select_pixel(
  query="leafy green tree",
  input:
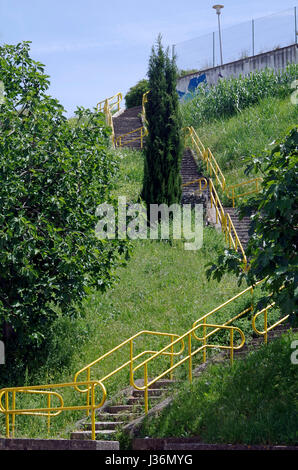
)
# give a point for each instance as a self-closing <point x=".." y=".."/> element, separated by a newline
<point x="53" y="175"/>
<point x="163" y="152"/>
<point x="272" y="248"/>
<point x="135" y="94"/>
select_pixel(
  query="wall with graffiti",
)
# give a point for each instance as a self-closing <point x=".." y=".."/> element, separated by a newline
<point x="188" y="85"/>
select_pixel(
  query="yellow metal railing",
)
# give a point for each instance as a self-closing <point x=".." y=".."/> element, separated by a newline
<point x="207" y="156"/>
<point x="148" y="383"/>
<point x="230" y="191"/>
<point x="226" y="223"/>
<point x="214" y="170"/>
<point x="132" y="357"/>
<point x="267" y="328"/>
<point x="49" y="410"/>
<point x="144" y="101"/>
<point x="112" y="103"/>
<point x="107" y="106"/>
<point x="199" y="181"/>
<point x="122" y="139"/>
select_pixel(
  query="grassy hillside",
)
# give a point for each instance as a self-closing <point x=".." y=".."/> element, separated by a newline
<point x="163" y="287"/>
<point x="254" y="402"/>
<point x="250" y="132"/>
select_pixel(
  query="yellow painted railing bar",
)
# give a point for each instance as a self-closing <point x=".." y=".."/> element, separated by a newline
<point x="49" y="410"/>
<point x="199" y="180"/>
<point x="266" y="328"/>
<point x="143" y="132"/>
<point x="144" y="101"/>
<point x="188" y="357"/>
<point x="118" y="97"/>
<point x="124" y="343"/>
<point x="232" y="188"/>
<point x="159" y="353"/>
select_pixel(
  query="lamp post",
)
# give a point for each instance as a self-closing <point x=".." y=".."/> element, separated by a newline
<point x="218" y="11"/>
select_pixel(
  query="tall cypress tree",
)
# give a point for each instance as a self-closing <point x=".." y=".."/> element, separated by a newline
<point x="163" y="153"/>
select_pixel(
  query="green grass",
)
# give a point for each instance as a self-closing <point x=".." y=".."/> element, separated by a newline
<point x="163" y="288"/>
<point x="233" y="140"/>
<point x="254" y="402"/>
<point x="130" y="177"/>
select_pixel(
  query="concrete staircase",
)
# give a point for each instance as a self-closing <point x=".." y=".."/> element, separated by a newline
<point x="241" y="226"/>
<point x="124" y="409"/>
<point x="128" y="121"/>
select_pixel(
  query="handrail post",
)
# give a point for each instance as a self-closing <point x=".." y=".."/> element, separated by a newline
<point x="190" y="359"/>
<point x="7" y="414"/>
<point x="266" y="326"/>
<point x="233" y="197"/>
<point x="231" y="346"/>
<point x="204" y="340"/>
<point x="230" y="233"/>
<point x="146" y="387"/>
<point x="131" y="362"/>
<point x="13" y="415"/>
<point x="93" y="412"/>
<point x="172" y="357"/>
<point x="88" y="391"/>
<point x="49" y="413"/>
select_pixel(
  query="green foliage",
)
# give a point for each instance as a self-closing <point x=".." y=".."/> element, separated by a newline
<point x="254" y="402"/>
<point x="231" y="96"/>
<point x="135" y="94"/>
<point x="272" y="248"/>
<point x="53" y="176"/>
<point x="163" y="153"/>
<point x="182" y="73"/>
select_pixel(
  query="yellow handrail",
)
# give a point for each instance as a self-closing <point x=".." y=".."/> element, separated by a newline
<point x="101" y="105"/>
<point x="144" y="101"/>
<point x="227" y="225"/>
<point x="107" y="107"/>
<point x="189" y="334"/>
<point x="214" y="169"/>
<point x="143" y="132"/>
<point x="9" y="408"/>
<point x="129" y="363"/>
<point x="230" y="190"/>
<point x="266" y="328"/>
<point x="200" y="181"/>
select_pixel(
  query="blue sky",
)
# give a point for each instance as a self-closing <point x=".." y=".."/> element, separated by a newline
<point x="92" y="48"/>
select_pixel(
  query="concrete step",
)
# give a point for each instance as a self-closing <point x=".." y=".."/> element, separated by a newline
<point x="151" y="392"/>
<point x="88" y="434"/>
<point x="122" y="408"/>
<point x="140" y="400"/>
<point x="104" y="425"/>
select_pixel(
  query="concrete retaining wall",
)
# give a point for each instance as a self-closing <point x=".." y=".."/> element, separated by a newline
<point x="277" y="60"/>
<point x="56" y="444"/>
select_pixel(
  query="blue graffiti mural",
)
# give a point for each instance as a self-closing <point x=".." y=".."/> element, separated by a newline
<point x="192" y="87"/>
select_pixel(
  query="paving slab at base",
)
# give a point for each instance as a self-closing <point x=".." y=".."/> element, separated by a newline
<point x="194" y="443"/>
<point x="56" y="444"/>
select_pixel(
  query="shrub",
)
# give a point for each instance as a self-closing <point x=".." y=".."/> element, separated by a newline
<point x="163" y="152"/>
<point x="53" y="176"/>
<point x="135" y="94"/>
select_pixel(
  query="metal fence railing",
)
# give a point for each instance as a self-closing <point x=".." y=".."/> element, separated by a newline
<point x="242" y="40"/>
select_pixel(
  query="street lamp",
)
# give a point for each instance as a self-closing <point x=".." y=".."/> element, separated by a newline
<point x="218" y="11"/>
